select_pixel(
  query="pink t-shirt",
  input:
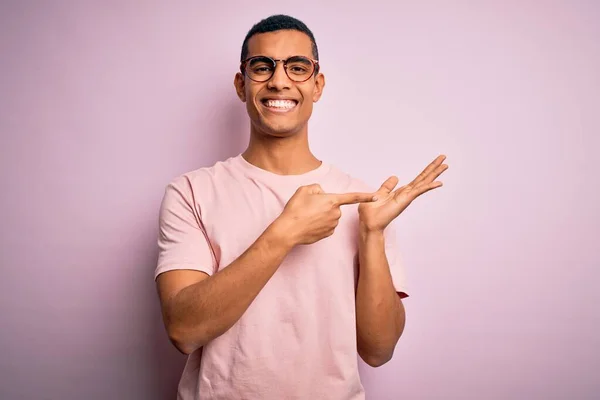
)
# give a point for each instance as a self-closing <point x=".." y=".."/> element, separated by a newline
<point x="297" y="340"/>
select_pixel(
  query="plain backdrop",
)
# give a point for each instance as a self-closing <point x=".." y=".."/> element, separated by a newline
<point x="103" y="103"/>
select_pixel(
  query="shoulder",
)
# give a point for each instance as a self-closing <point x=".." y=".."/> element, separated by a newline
<point x="201" y="180"/>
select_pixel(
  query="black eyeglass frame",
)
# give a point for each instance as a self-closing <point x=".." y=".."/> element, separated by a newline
<point x="245" y="62"/>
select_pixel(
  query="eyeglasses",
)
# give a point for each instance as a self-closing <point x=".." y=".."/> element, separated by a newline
<point x="262" y="68"/>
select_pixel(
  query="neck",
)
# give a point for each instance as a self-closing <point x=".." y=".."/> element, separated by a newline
<point x="283" y="156"/>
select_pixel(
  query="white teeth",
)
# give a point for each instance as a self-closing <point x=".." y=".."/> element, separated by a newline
<point x="287" y="104"/>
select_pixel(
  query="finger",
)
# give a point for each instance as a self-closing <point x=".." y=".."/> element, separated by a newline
<point x="433" y="175"/>
<point x="432" y="166"/>
<point x="352" y="198"/>
<point x="417" y="191"/>
<point x="315" y="188"/>
<point x="388" y="185"/>
<point x="431" y="186"/>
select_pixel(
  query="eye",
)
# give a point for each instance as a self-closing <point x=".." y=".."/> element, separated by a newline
<point x="262" y="69"/>
<point x="300" y="66"/>
<point x="260" y="66"/>
<point x="300" y="69"/>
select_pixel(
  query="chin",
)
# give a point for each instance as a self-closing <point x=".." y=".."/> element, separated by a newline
<point x="280" y="133"/>
<point x="278" y="130"/>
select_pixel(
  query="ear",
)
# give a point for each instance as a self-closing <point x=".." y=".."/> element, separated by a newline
<point x="240" y="86"/>
<point x="319" y="85"/>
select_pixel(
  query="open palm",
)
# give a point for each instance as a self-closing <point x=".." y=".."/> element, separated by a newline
<point x="390" y="203"/>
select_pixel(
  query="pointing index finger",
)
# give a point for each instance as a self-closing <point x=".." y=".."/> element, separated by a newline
<point x="353" y="198"/>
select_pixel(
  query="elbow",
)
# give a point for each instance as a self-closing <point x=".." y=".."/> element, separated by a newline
<point x="376" y="360"/>
<point x="182" y="341"/>
<point x="185" y="348"/>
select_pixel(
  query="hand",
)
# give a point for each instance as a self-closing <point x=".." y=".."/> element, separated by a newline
<point x="376" y="216"/>
<point x="311" y="215"/>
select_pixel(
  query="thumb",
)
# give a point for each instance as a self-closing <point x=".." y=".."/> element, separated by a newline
<point x="315" y="188"/>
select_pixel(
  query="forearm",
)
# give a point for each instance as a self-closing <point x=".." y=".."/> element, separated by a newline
<point x="207" y="309"/>
<point x="380" y="314"/>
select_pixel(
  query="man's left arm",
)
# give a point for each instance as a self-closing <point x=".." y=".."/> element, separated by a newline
<point x="380" y="315"/>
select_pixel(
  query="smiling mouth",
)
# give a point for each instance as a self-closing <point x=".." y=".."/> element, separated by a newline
<point x="279" y="105"/>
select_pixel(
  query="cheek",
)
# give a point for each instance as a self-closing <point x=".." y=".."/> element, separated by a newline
<point x="251" y="108"/>
<point x="308" y="97"/>
<point x="250" y="91"/>
<point x="307" y="107"/>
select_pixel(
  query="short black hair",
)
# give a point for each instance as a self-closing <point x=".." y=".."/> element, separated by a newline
<point x="277" y="23"/>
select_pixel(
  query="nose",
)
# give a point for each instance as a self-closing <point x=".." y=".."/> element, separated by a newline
<point x="279" y="80"/>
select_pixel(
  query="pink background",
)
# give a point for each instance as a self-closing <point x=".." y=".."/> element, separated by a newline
<point x="102" y="103"/>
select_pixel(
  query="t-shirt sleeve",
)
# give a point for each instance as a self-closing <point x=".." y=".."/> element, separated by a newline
<point x="395" y="261"/>
<point x="182" y="239"/>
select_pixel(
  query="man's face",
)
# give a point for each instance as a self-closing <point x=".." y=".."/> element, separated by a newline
<point x="280" y="106"/>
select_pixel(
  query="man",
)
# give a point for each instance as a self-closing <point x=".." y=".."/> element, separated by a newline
<point x="267" y="285"/>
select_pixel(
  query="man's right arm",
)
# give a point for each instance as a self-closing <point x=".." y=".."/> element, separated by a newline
<point x="198" y="308"/>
